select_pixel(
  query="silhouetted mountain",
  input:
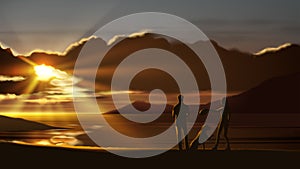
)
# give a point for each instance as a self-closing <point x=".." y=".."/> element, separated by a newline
<point x="277" y="95"/>
<point x="243" y="70"/>
<point x="17" y="124"/>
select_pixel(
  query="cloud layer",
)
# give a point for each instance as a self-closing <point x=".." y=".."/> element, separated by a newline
<point x="11" y="78"/>
<point x="49" y="52"/>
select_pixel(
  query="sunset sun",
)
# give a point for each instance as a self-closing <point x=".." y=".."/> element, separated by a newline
<point x="44" y="72"/>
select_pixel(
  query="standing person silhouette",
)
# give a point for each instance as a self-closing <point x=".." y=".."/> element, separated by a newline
<point x="223" y="125"/>
<point x="181" y="122"/>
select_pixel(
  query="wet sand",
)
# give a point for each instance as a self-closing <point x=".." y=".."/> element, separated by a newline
<point x="259" y="142"/>
<point x="246" y="132"/>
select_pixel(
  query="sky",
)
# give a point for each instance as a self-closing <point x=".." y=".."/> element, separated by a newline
<point x="53" y="25"/>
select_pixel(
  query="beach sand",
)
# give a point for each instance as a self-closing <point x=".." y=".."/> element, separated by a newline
<point x="41" y="156"/>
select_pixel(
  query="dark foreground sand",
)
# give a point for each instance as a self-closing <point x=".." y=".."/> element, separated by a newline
<point x="41" y="157"/>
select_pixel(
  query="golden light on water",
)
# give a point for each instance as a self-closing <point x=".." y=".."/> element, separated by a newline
<point x="44" y="72"/>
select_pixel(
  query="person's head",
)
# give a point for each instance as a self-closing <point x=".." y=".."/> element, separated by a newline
<point x="180" y="98"/>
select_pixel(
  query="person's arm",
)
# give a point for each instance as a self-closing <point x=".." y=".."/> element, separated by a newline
<point x="173" y="112"/>
<point x="203" y="111"/>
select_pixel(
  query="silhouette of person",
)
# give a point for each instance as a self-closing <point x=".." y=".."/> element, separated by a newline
<point x="181" y="122"/>
<point x="195" y="142"/>
<point x="223" y="125"/>
<point x="205" y="130"/>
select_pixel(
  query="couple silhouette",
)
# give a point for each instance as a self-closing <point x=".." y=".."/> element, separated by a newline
<point x="180" y="114"/>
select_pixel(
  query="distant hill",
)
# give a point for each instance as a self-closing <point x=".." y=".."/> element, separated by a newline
<point x="277" y="95"/>
<point x="8" y="124"/>
<point x="243" y="70"/>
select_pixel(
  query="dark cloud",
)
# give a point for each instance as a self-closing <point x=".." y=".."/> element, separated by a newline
<point x="54" y="17"/>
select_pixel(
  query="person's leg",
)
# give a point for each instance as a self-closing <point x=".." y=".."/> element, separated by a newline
<point x="179" y="131"/>
<point x="194" y="145"/>
<point x="186" y="141"/>
<point x="226" y="136"/>
<point x="220" y="127"/>
<point x="195" y="142"/>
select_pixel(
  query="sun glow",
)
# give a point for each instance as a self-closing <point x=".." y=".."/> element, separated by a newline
<point x="44" y="73"/>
